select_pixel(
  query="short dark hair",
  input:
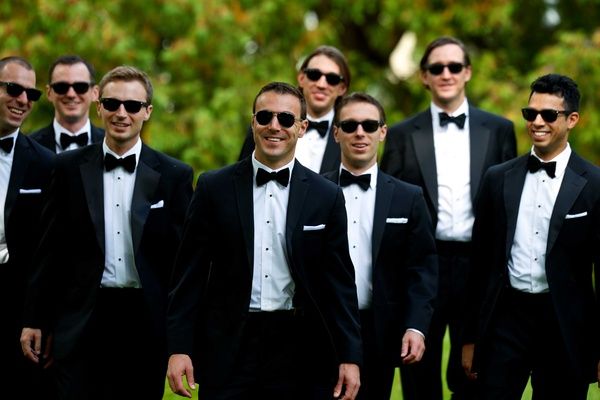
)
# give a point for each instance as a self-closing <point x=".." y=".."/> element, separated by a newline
<point x="71" y="59"/>
<point x="283" y="88"/>
<point x="561" y="86"/>
<point x="336" y="56"/>
<point x="128" y="74"/>
<point x="443" y="41"/>
<point x="16" y="60"/>
<point x="358" y="97"/>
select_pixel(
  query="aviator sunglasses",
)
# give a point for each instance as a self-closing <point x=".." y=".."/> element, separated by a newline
<point x="368" y="125"/>
<point x="285" y="119"/>
<point x="15" y="90"/>
<point x="315" y="74"/>
<point x="131" y="106"/>
<point x="63" y="87"/>
<point x="438" y="68"/>
<point x="548" y="115"/>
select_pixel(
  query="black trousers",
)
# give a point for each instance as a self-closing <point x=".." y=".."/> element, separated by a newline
<point x="524" y="341"/>
<point x="119" y="355"/>
<point x="423" y="380"/>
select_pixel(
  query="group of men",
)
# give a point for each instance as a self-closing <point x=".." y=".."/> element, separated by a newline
<point x="271" y="281"/>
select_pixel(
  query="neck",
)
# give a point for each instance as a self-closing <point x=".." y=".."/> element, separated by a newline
<point x="315" y="113"/>
<point x="357" y="168"/>
<point x="449" y="106"/>
<point x="121" y="148"/>
<point x="72" y="126"/>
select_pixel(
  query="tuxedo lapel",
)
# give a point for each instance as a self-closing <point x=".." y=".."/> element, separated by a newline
<point x="425" y="152"/>
<point x="331" y="156"/>
<point x="514" y="180"/>
<point x="243" y="184"/>
<point x="383" y="200"/>
<point x="479" y="137"/>
<point x="93" y="185"/>
<point x="146" y="182"/>
<point x="18" y="170"/>
<point x="298" y="190"/>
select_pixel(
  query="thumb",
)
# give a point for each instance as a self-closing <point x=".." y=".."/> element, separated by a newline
<point x="337" y="390"/>
<point x="189" y="373"/>
<point x="405" y="347"/>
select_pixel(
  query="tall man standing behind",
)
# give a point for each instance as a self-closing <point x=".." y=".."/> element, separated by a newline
<point x="446" y="150"/>
<point x="264" y="283"/>
<point x="324" y="77"/>
<point x="391" y="246"/>
<point x="71" y="90"/>
<point x="122" y="206"/>
<point x="533" y="308"/>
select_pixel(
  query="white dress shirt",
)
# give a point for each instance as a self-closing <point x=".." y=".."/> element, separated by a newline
<point x="527" y="262"/>
<point x="453" y="159"/>
<point x="311" y="147"/>
<point x="58" y="129"/>
<point x="119" y="260"/>
<point x="6" y="160"/>
<point x="272" y="285"/>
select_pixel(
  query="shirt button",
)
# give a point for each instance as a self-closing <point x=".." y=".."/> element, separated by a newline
<point x="267" y="249"/>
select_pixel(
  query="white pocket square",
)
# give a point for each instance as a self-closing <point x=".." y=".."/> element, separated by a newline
<point x="159" y="204"/>
<point x="30" y="191"/>
<point x="314" y="227"/>
<point x="571" y="216"/>
<point x="396" y="220"/>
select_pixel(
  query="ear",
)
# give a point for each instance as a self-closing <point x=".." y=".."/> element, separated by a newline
<point x="98" y="105"/>
<point x="148" y="112"/>
<point x="383" y="133"/>
<point x="303" y="128"/>
<point x="467" y="73"/>
<point x="572" y="120"/>
<point x="95" y="92"/>
<point x="336" y="132"/>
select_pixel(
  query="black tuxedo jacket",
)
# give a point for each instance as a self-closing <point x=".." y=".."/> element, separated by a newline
<point x="405" y="270"/>
<point x="46" y="136"/>
<point x="209" y="305"/>
<point x="409" y="152"/>
<point x="573" y="249"/>
<point x="331" y="157"/>
<point x="70" y="261"/>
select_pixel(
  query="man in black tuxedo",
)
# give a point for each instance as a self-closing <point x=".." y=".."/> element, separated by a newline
<point x="25" y="169"/>
<point x="103" y="294"/>
<point x="446" y="149"/>
<point x="391" y="245"/>
<point x="533" y="310"/>
<point x="71" y="89"/>
<point x="264" y="291"/>
<point x="324" y="77"/>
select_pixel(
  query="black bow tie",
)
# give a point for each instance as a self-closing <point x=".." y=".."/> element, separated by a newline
<point x="459" y="120"/>
<point x="534" y="165"/>
<point x="66" y="140"/>
<point x="111" y="162"/>
<point x="321" y="127"/>
<point x="282" y="177"/>
<point x="6" y="144"/>
<point x="347" y="179"/>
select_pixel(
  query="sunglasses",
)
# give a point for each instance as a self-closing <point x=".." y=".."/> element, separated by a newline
<point x="285" y="119"/>
<point x="438" y="68"/>
<point x="315" y="74"/>
<point x="530" y="114"/>
<point x="63" y="87"/>
<point x="15" y="90"/>
<point x="131" y="106"/>
<point x="368" y="125"/>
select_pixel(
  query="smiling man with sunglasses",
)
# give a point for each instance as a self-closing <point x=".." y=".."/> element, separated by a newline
<point x="71" y="90"/>
<point x="112" y="227"/>
<point x="533" y="311"/>
<point x="446" y="149"/>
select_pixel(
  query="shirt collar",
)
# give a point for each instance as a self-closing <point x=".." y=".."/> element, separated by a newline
<point x="373" y="170"/>
<point x="327" y="117"/>
<point x="435" y="110"/>
<point x="561" y="160"/>
<point x="135" y="149"/>
<point x="58" y="129"/>
<point x="257" y="164"/>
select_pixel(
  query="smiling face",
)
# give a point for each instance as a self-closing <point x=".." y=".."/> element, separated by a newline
<point x="14" y="110"/>
<point x="123" y="128"/>
<point x="550" y="138"/>
<point x="320" y="96"/>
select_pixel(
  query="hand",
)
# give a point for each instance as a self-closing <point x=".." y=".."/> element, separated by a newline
<point x="413" y="347"/>
<point x="349" y="377"/>
<point x="180" y="365"/>
<point x="467" y="361"/>
<point x="31" y="343"/>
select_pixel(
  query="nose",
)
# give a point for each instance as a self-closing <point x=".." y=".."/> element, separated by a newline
<point x="121" y="112"/>
<point x="446" y="72"/>
<point x="71" y="92"/>
<point x="274" y="124"/>
<point x="22" y="98"/>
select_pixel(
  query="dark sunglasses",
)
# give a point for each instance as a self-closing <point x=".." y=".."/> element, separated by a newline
<point x="438" y="68"/>
<point x="131" y="106"/>
<point x="63" y="87"/>
<point x="530" y="114"/>
<point x="368" y="125"/>
<point x="15" y="90"/>
<point x="286" y="119"/>
<point x="315" y="74"/>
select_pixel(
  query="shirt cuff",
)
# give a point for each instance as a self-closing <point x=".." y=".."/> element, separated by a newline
<point x="415" y="330"/>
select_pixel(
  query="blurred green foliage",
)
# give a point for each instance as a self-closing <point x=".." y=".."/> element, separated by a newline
<point x="208" y="58"/>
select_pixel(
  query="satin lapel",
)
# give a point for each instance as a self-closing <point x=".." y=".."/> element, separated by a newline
<point x="97" y="134"/>
<point x="514" y="179"/>
<point x="18" y="170"/>
<point x="242" y="181"/>
<point x="572" y="185"/>
<point x="331" y="155"/>
<point x="425" y="151"/>
<point x="479" y="138"/>
<point x="383" y="200"/>
<point x="146" y="182"/>
<point x="298" y="191"/>
<point x="93" y="185"/>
